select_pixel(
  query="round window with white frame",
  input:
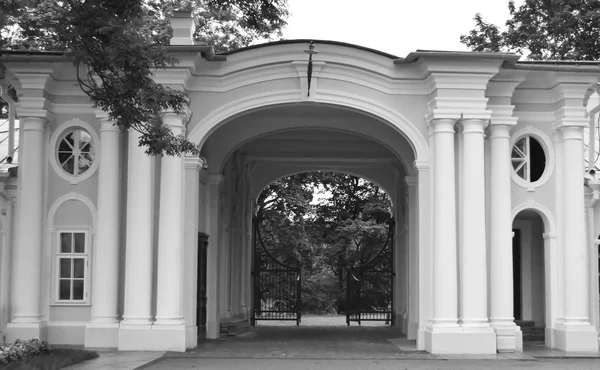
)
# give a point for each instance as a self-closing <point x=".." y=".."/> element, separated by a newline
<point x="531" y="159"/>
<point x="75" y="151"/>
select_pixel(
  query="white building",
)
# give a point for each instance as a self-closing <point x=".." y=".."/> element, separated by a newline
<point x="99" y="242"/>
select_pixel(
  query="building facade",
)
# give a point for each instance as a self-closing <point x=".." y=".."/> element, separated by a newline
<point x="481" y="154"/>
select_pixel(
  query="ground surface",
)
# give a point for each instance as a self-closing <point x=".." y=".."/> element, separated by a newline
<point x="322" y="343"/>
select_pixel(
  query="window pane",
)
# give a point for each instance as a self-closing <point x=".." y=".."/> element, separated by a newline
<point x="64" y="156"/>
<point x="78" y="289"/>
<point x="67" y="144"/>
<point x="537" y="159"/>
<point x="79" y="242"/>
<point x="69" y="166"/>
<point x="65" y="243"/>
<point x="521" y="172"/>
<point x="78" y="267"/>
<point x="65" y="268"/>
<point x="85" y="162"/>
<point x="64" y="289"/>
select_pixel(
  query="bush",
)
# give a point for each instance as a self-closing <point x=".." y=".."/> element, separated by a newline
<point x="21" y="349"/>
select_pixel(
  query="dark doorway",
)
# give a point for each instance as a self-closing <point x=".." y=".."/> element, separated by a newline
<point x="516" y="252"/>
<point x="201" y="284"/>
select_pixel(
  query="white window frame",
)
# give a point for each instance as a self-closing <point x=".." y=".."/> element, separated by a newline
<point x="545" y="142"/>
<point x="57" y="256"/>
<point x="55" y="140"/>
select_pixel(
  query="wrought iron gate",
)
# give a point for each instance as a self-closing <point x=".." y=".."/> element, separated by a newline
<point x="370" y="286"/>
<point x="277" y="286"/>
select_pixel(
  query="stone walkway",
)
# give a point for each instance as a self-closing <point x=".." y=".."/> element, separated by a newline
<point x="321" y="346"/>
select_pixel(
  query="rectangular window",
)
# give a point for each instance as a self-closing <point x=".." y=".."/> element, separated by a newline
<point x="72" y="267"/>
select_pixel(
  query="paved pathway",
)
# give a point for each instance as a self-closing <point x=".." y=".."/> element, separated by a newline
<point x="320" y="346"/>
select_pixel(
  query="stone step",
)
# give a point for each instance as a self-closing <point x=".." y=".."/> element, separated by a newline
<point x="525" y="323"/>
<point x="233" y="327"/>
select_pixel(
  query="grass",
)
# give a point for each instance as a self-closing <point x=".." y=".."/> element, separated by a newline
<point x="55" y="359"/>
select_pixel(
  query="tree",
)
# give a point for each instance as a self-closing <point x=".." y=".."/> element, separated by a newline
<point x="543" y="29"/>
<point x="116" y="45"/>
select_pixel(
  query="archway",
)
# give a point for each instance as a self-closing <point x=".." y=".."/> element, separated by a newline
<point x="529" y="275"/>
<point x="535" y="229"/>
<point x="324" y="246"/>
<point x="249" y="151"/>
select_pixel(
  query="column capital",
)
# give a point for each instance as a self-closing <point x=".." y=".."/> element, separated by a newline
<point x="195" y="163"/>
<point x="171" y="118"/>
<point x="32" y="123"/>
<point x="106" y="124"/>
<point x="571" y="133"/>
<point x="421" y="165"/>
<point x="499" y="131"/>
<point x="443" y="125"/>
<point x="33" y="106"/>
<point x="473" y="125"/>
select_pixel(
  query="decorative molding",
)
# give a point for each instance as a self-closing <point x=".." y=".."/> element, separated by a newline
<point x="64" y="198"/>
<point x="545" y="214"/>
<point x="209" y="123"/>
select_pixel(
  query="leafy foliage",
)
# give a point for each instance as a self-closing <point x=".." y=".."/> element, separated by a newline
<point x="543" y="29"/>
<point x="345" y="226"/>
<point x="116" y="45"/>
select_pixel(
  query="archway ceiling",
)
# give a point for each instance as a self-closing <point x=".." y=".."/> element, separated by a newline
<point x="311" y="133"/>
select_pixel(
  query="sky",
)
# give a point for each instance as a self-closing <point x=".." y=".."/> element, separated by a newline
<point x="393" y="26"/>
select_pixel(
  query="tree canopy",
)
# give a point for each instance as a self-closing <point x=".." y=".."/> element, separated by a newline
<point x="116" y="45"/>
<point x="542" y="30"/>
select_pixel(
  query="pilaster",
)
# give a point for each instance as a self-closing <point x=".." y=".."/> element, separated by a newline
<point x="134" y="331"/>
<point x="213" y="319"/>
<point x="102" y="330"/>
<point x="574" y="332"/>
<point x="27" y="321"/>
<point x="413" y="257"/>
<point x="169" y="326"/>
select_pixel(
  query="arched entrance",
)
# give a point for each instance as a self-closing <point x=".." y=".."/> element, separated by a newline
<point x="253" y="149"/>
<point x="528" y="275"/>
<point x="323" y="245"/>
<point x="535" y="273"/>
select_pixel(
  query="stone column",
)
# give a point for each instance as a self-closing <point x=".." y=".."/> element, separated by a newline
<point x="444" y="318"/>
<point x="137" y="318"/>
<point x="444" y="227"/>
<point x="102" y="330"/>
<point x="169" y="300"/>
<point x="575" y="333"/>
<point x="413" y="258"/>
<point x="213" y="306"/>
<point x="26" y="322"/>
<point x="473" y="261"/>
<point x="193" y="168"/>
<point x="508" y="336"/>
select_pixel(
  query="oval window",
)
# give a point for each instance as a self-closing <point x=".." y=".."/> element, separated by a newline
<point x="528" y="159"/>
<point x="75" y="152"/>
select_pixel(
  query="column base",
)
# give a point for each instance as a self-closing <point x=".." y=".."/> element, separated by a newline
<point x="412" y="331"/>
<point x="455" y="340"/>
<point x="576" y="338"/>
<point x="191" y="336"/>
<point x="509" y="338"/>
<point x="213" y="329"/>
<point x="26" y="330"/>
<point x="101" y="335"/>
<point x="152" y="338"/>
